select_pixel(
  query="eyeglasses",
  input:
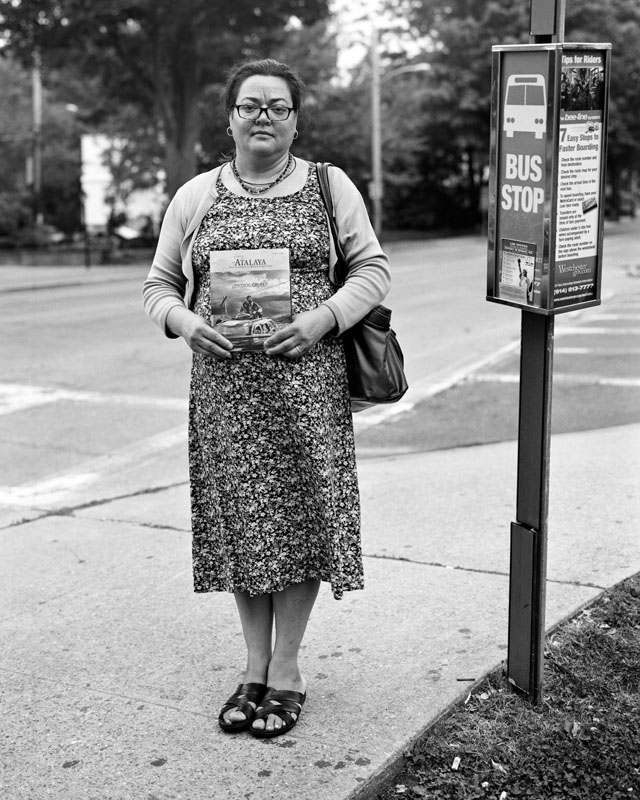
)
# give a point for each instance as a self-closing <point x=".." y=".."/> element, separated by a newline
<point x="252" y="111"/>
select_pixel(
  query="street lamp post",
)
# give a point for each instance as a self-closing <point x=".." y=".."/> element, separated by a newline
<point x="36" y="85"/>
<point x="376" y="186"/>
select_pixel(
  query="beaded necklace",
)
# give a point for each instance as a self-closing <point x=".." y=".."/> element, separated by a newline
<point x="261" y="188"/>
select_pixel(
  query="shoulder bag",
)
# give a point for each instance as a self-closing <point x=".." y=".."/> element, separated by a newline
<point x="375" y="363"/>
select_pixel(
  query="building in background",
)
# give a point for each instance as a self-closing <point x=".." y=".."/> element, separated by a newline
<point x="109" y="202"/>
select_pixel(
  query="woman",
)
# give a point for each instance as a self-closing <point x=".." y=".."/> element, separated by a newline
<point x="274" y="495"/>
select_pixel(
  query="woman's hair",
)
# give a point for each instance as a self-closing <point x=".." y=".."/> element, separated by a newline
<point x="266" y="66"/>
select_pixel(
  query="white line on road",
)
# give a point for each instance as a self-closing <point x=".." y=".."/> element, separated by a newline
<point x="57" y="489"/>
<point x="596" y="351"/>
<point x="613" y="317"/>
<point x="604" y="331"/>
<point x="425" y="388"/>
<point x="587" y="380"/>
<point x="19" y="397"/>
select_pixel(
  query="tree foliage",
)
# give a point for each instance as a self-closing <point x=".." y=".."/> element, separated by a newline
<point x="60" y="157"/>
<point x="454" y="98"/>
<point x="448" y="106"/>
<point x="15" y="138"/>
<point x="617" y="22"/>
<point x="159" y="56"/>
<point x="152" y="70"/>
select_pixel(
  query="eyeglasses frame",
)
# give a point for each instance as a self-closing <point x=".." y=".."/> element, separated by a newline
<point x="266" y="112"/>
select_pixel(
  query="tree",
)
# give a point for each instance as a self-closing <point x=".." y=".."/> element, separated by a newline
<point x="456" y="95"/>
<point x="617" y="22"/>
<point x="15" y="140"/>
<point x="60" y="158"/>
<point x="160" y="56"/>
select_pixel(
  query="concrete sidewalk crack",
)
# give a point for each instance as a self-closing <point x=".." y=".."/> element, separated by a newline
<point x="69" y="511"/>
<point x="458" y="568"/>
<point x="364" y="756"/>
<point x="105" y="692"/>
<point x="155" y="526"/>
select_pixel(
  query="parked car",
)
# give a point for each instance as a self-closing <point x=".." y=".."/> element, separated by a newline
<point x="40" y="236"/>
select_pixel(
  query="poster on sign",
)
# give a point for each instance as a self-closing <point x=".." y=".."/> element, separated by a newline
<point x="546" y="182"/>
<point x="580" y="165"/>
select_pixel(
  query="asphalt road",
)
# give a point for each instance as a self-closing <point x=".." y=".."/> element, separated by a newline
<point x="85" y="375"/>
<point x="596" y="384"/>
<point x="466" y="351"/>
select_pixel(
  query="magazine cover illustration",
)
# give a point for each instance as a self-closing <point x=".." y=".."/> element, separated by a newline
<point x="250" y="295"/>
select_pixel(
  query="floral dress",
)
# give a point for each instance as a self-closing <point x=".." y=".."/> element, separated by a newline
<point x="274" y="493"/>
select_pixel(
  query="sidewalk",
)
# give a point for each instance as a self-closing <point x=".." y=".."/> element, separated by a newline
<point x="114" y="671"/>
<point x="17" y="278"/>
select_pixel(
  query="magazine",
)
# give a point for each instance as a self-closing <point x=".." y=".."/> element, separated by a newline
<point x="250" y="295"/>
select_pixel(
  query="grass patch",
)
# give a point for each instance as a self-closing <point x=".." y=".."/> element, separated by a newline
<point x="581" y="741"/>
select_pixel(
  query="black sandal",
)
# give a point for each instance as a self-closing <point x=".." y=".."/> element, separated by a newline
<point x="283" y="704"/>
<point x="245" y="694"/>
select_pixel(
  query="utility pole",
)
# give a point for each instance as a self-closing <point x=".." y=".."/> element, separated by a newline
<point x="36" y="86"/>
<point x="375" y="186"/>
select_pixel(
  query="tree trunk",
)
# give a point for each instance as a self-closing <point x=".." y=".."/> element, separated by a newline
<point x="180" y="162"/>
<point x="473" y="184"/>
<point x="613" y="176"/>
<point x="181" y="123"/>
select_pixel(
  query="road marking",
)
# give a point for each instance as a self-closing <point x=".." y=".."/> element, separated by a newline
<point x="19" y="397"/>
<point x="613" y="317"/>
<point x="595" y="351"/>
<point x="595" y="380"/>
<point x="574" y="351"/>
<point x="426" y="388"/>
<point x="58" y="489"/>
<point x="587" y="380"/>
<point x="597" y="331"/>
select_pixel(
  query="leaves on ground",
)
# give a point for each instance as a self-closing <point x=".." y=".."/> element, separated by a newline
<point x="582" y="740"/>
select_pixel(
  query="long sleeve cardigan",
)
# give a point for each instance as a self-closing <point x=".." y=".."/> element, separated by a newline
<point x="170" y="281"/>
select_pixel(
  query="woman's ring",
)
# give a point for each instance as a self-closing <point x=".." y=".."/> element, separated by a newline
<point x="299" y="351"/>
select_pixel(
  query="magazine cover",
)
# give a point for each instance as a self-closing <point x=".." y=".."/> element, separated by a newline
<point x="250" y="295"/>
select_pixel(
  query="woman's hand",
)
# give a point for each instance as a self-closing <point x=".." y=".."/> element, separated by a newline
<point x="198" y="333"/>
<point x="295" y="339"/>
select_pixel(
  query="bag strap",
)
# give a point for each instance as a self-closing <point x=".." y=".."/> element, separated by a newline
<point x="341" y="268"/>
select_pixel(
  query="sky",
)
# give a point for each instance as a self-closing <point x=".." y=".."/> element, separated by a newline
<point x="355" y="21"/>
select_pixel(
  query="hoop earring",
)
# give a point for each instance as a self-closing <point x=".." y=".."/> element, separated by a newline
<point x="296" y="134"/>
<point x="229" y="131"/>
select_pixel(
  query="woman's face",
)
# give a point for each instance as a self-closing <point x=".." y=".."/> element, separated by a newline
<point x="263" y="137"/>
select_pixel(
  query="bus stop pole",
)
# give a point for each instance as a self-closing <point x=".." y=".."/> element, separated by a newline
<point x="528" y="563"/>
<point x="527" y="574"/>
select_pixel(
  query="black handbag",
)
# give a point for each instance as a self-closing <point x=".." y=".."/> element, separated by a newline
<point x="375" y="363"/>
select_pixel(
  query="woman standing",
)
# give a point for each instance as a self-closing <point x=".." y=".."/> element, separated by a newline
<point x="274" y="494"/>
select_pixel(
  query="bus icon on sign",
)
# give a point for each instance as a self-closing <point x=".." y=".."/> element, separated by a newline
<point x="525" y="105"/>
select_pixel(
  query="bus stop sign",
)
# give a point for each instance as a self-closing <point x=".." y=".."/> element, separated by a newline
<point x="546" y="185"/>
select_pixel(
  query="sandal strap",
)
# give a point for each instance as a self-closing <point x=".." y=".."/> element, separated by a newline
<point x="281" y="701"/>
<point x="252" y="691"/>
<point x="245" y="694"/>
